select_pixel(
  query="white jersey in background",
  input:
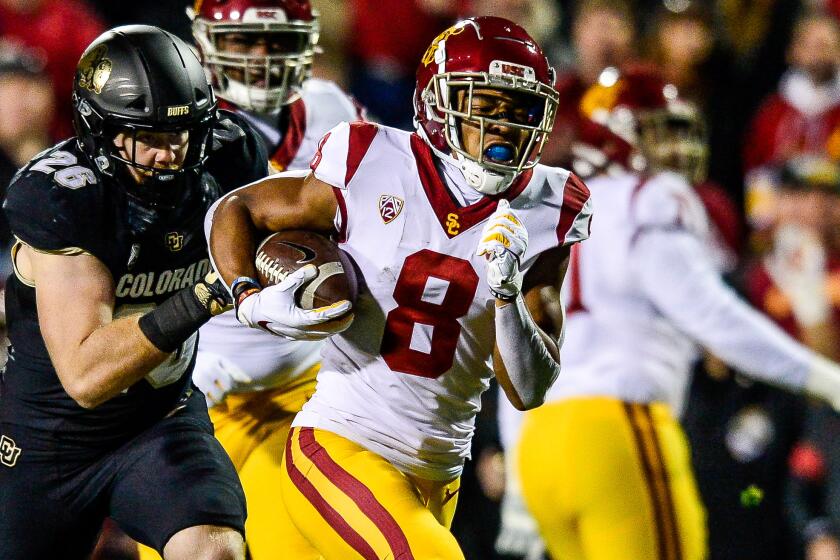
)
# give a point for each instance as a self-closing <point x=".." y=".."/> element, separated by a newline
<point x="268" y="360"/>
<point x="643" y="293"/>
<point x="405" y="380"/>
<point x="321" y="106"/>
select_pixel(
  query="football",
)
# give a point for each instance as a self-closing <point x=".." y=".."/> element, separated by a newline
<point x="284" y="252"/>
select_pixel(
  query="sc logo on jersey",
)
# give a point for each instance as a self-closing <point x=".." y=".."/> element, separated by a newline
<point x="453" y="226"/>
<point x="9" y="452"/>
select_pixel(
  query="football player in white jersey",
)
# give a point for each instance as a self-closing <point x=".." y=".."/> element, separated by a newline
<point x="259" y="54"/>
<point x="452" y="230"/>
<point x="641" y="296"/>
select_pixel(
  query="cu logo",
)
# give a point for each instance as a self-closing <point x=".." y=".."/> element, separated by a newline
<point x="9" y="452"/>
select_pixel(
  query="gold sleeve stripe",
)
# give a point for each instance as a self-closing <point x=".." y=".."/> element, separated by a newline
<point x="66" y="251"/>
<point x="23" y="279"/>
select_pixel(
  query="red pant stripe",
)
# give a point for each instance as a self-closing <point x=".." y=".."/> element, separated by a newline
<point x="358" y="492"/>
<point x="330" y="515"/>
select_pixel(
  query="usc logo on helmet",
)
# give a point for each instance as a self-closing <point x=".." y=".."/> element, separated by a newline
<point x="429" y="55"/>
<point x="600" y="97"/>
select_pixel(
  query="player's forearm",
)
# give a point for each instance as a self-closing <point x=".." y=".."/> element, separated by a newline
<point x="527" y="360"/>
<point x="232" y="238"/>
<point x="119" y="353"/>
<point x="111" y="359"/>
<point x="675" y="273"/>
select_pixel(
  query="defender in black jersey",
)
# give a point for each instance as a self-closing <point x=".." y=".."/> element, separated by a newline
<point x="98" y="416"/>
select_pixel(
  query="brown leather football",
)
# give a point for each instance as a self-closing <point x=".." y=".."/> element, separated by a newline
<point x="284" y="252"/>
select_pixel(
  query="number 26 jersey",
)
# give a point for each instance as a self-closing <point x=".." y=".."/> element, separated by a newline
<point x="405" y="380"/>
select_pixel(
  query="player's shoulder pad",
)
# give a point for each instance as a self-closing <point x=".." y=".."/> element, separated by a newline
<point x="238" y="155"/>
<point x="345" y="148"/>
<point x="56" y="200"/>
<point x="331" y="101"/>
<point x="576" y="202"/>
<point x="327" y="105"/>
<point x="667" y="200"/>
<point x="322" y="90"/>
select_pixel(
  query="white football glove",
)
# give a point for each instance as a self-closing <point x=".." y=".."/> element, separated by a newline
<point x="273" y="309"/>
<point x="216" y="376"/>
<point x="519" y="534"/>
<point x="823" y="381"/>
<point x="797" y="266"/>
<point x="503" y="243"/>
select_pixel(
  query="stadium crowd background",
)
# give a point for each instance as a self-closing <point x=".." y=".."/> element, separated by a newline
<point x="766" y="77"/>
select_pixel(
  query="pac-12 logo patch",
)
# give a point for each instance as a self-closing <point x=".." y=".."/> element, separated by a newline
<point x="390" y="207"/>
<point x="9" y="452"/>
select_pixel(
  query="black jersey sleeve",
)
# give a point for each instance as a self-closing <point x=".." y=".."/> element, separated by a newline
<point x="49" y="215"/>
<point x="239" y="156"/>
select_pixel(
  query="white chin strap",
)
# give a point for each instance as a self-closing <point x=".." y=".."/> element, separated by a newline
<point x="481" y="179"/>
<point x="477" y="177"/>
<point x="252" y="98"/>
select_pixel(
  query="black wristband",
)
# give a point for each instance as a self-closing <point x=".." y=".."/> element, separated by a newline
<point x="503" y="297"/>
<point x="171" y="323"/>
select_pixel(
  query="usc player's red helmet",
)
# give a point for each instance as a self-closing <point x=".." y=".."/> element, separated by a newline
<point x="484" y="53"/>
<point x="258" y="81"/>
<point x="640" y="108"/>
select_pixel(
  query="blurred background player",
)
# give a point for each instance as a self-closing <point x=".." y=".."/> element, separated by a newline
<point x="373" y="459"/>
<point x="111" y="282"/>
<point x="801" y="117"/>
<point x="640" y="297"/>
<point x="259" y="54"/>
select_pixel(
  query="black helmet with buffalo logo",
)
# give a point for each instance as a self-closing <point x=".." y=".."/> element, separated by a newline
<point x="138" y="79"/>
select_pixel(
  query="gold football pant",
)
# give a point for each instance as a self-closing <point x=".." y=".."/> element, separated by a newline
<point x="350" y="503"/>
<point x="253" y="427"/>
<point x="607" y="479"/>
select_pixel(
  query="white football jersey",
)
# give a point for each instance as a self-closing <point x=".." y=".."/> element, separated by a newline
<point x="405" y="379"/>
<point x="267" y="359"/>
<point x="321" y="106"/>
<point x="644" y="288"/>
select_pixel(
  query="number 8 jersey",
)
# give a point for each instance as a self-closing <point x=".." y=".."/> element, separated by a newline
<point x="405" y="380"/>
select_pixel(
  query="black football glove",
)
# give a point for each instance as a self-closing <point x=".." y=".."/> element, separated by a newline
<point x="212" y="294"/>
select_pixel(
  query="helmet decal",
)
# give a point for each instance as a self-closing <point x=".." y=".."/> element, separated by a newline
<point x="95" y="69"/>
<point x="429" y="55"/>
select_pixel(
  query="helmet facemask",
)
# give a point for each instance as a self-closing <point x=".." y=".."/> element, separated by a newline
<point x="449" y="98"/>
<point x="154" y="185"/>
<point x="258" y="82"/>
<point x="674" y="140"/>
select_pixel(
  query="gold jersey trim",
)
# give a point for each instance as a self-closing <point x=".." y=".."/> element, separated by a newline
<point x="66" y="251"/>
